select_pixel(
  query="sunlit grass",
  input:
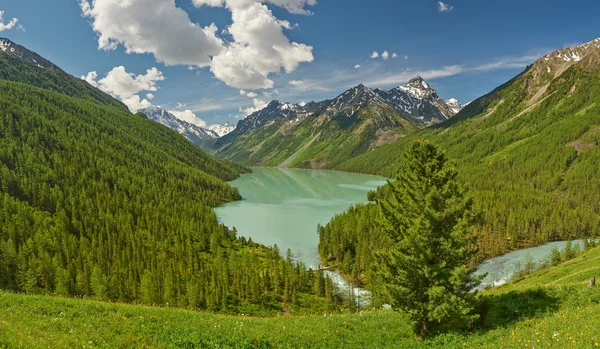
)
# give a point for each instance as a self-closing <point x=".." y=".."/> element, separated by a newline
<point x="553" y="308"/>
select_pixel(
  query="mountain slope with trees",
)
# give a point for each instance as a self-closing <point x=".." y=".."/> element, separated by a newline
<point x="98" y="202"/>
<point x="529" y="152"/>
<point x="551" y="308"/>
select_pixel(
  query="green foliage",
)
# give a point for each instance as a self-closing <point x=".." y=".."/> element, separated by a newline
<point x="530" y="163"/>
<point x="321" y="140"/>
<point x="428" y="217"/>
<point x="16" y="70"/>
<point x="97" y="202"/>
<point x="551" y="308"/>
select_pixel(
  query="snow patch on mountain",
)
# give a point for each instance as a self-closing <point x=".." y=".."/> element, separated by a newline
<point x="222" y="130"/>
<point x="194" y="133"/>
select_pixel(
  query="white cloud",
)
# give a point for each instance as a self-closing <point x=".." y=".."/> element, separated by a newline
<point x="11" y="24"/>
<point x="405" y="57"/>
<point x="309" y="85"/>
<point x="248" y="94"/>
<point x="292" y="6"/>
<point x="401" y="77"/>
<point x="258" y="104"/>
<point x="259" y="47"/>
<point x="91" y="78"/>
<point x="158" y="27"/>
<point x="358" y="66"/>
<point x="188" y="116"/>
<point x="181" y="105"/>
<point x="385" y="55"/>
<point x="126" y="86"/>
<point x="508" y="63"/>
<point x="150" y="96"/>
<point x="442" y="7"/>
<point x="135" y="103"/>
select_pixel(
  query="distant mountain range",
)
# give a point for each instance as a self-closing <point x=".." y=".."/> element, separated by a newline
<point x="321" y="134"/>
<point x="196" y="134"/>
<point x="222" y="130"/>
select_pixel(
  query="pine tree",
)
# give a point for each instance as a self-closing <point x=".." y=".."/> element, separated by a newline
<point x="428" y="215"/>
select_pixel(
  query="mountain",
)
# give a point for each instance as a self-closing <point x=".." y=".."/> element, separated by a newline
<point x="195" y="134"/>
<point x="419" y="100"/>
<point x="19" y="64"/>
<point x="100" y="203"/>
<point x="323" y="134"/>
<point x="529" y="150"/>
<point x="24" y="54"/>
<point x="222" y="130"/>
<point x="454" y="105"/>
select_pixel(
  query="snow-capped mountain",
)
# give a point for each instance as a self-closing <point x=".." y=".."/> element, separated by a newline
<point x="414" y="103"/>
<point x="454" y="105"/>
<point x="418" y="100"/>
<point x="267" y="116"/>
<point x="222" y="130"/>
<point x="196" y="134"/>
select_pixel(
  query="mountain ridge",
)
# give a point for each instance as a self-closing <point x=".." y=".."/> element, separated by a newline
<point x="196" y="134"/>
<point x="357" y="120"/>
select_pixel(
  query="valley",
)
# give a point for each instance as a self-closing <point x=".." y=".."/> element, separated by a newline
<point x="274" y="174"/>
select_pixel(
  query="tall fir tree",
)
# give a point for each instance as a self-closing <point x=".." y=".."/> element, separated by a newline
<point x="429" y="218"/>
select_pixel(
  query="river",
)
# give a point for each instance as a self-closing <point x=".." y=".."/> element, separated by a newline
<point x="284" y="207"/>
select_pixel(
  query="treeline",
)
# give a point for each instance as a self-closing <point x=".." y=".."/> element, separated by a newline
<point x="14" y="69"/>
<point x="96" y="202"/>
<point x="532" y="168"/>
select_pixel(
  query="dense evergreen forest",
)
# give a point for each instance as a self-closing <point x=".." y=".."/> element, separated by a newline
<point x="97" y="202"/>
<point x="528" y="153"/>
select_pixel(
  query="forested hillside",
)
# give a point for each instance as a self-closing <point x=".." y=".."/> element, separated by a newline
<point x="97" y="202"/>
<point x="552" y="308"/>
<point x="528" y="150"/>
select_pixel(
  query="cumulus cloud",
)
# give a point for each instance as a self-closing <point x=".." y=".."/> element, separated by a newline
<point x="181" y="105"/>
<point x="126" y="86"/>
<point x="385" y="55"/>
<point x="150" y="96"/>
<point x="442" y="7"/>
<point x="258" y="49"/>
<point x="188" y="116"/>
<point x="258" y="104"/>
<point x="357" y="66"/>
<point x="11" y="24"/>
<point x="158" y="27"/>
<point x="248" y="94"/>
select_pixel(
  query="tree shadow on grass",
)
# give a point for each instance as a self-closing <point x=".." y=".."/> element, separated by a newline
<point x="504" y="309"/>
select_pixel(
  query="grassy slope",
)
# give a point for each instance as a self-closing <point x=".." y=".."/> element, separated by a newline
<point x="552" y="308"/>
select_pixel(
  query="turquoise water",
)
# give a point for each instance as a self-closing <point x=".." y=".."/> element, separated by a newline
<point x="284" y="206"/>
<point x="501" y="269"/>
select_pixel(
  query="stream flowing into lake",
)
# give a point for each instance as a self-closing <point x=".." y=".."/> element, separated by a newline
<point x="284" y="207"/>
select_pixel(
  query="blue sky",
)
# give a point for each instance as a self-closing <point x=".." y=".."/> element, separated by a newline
<point x="464" y="48"/>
